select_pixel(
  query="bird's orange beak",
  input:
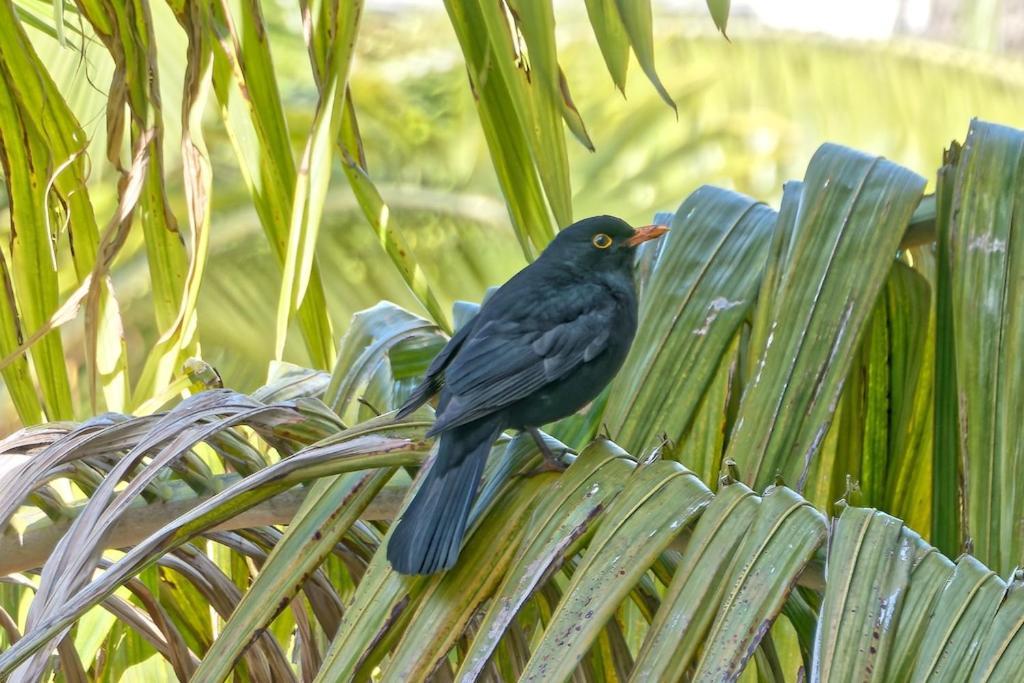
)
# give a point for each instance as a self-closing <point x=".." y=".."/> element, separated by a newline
<point x="647" y="232"/>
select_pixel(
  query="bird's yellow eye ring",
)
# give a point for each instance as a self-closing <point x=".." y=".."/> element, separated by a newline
<point x="602" y="241"/>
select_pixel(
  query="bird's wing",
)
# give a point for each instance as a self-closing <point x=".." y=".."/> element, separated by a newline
<point x="507" y="359"/>
<point x="434" y="378"/>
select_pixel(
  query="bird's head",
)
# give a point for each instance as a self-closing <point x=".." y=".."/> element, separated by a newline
<point x="601" y="242"/>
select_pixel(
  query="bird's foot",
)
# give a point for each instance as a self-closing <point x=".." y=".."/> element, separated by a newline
<point x="553" y="464"/>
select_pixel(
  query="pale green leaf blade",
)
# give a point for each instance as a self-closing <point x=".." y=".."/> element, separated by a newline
<point x="702" y="444"/>
<point x="377" y="612"/>
<point x="17" y="379"/>
<point x="692" y="599"/>
<point x="26" y="161"/>
<point x="379" y="602"/>
<point x="868" y="571"/>
<point x="866" y="409"/>
<point x="987" y="270"/>
<point x="111" y="351"/>
<point x="611" y="38"/>
<point x="852" y="212"/>
<point x="777" y="547"/>
<point x="657" y="501"/>
<point x="66" y="184"/>
<point x="564" y="516"/>
<point x="166" y="246"/>
<point x="247" y="88"/>
<point x="637" y="18"/>
<point x="390" y="237"/>
<point x="310" y="190"/>
<point x="523" y="133"/>
<point x="719" y="10"/>
<point x="1002" y="654"/>
<point x="927" y="581"/>
<point x="336" y="25"/>
<point x="536" y="21"/>
<point x="782" y="237"/>
<point x="538" y="113"/>
<point x="451" y="599"/>
<point x="370" y="336"/>
<point x="132" y="45"/>
<point x="962" y="619"/>
<point x="704" y="283"/>
<point x="946" y="533"/>
<point x="911" y="308"/>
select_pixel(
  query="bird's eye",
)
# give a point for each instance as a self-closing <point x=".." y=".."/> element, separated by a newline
<point x="602" y="241"/>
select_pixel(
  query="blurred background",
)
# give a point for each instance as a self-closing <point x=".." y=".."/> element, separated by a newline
<point x="900" y="78"/>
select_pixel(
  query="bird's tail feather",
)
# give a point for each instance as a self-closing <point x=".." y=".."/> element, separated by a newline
<point x="429" y="534"/>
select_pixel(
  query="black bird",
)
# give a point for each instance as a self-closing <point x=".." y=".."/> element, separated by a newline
<point x="544" y="345"/>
